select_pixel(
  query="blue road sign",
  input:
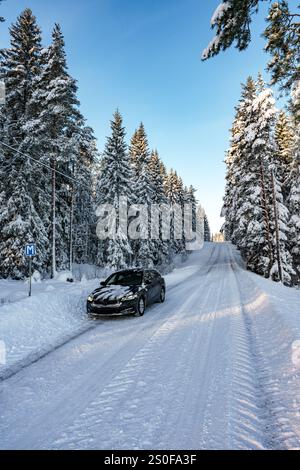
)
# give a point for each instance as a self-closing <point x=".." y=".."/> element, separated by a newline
<point x="30" y="250"/>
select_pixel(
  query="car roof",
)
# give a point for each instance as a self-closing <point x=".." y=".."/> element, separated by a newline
<point x="129" y="270"/>
<point x="137" y="270"/>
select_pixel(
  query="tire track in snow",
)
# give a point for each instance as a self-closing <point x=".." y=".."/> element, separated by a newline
<point x="279" y="432"/>
<point x="246" y="423"/>
<point x="189" y="420"/>
<point x="124" y="383"/>
<point x="68" y="407"/>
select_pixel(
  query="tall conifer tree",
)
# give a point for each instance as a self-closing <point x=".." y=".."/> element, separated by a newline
<point x="115" y="182"/>
<point x="19" y="219"/>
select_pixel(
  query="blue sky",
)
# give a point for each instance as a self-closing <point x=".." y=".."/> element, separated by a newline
<point x="143" y="57"/>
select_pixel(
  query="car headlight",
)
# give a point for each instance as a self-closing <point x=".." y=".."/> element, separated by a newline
<point x="130" y="297"/>
<point x="90" y="298"/>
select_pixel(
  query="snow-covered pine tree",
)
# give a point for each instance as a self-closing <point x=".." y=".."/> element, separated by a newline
<point x="247" y="205"/>
<point x="284" y="140"/>
<point x="84" y="239"/>
<point x="259" y="149"/>
<point x="1" y="17"/>
<point x="282" y="34"/>
<point x="233" y="163"/>
<point x="257" y="219"/>
<point x="135" y="151"/>
<point x="175" y="194"/>
<point x="101" y="245"/>
<point x="114" y="182"/>
<point x="170" y="186"/>
<point x="170" y="191"/>
<point x="232" y="23"/>
<point x="163" y="171"/>
<point x="19" y="219"/>
<point x="228" y="208"/>
<point x="282" y="269"/>
<point x="200" y="213"/>
<point x="191" y="200"/>
<point x="181" y="198"/>
<point x="266" y="151"/>
<point x="295" y="104"/>
<point x="161" y="247"/>
<point x="62" y="122"/>
<point x="294" y="195"/>
<point x="207" y="231"/>
<point x="143" y="249"/>
<point x="155" y="170"/>
<point x="280" y="217"/>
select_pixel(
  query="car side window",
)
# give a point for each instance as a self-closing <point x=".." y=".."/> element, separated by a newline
<point x="111" y="280"/>
<point x="148" y="277"/>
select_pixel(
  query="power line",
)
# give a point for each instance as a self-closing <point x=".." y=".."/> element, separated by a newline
<point x="46" y="166"/>
<point x="41" y="163"/>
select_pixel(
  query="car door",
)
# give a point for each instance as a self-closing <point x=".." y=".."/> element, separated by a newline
<point x="150" y="285"/>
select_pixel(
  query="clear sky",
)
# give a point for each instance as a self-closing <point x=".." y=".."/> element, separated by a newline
<point x="143" y="57"/>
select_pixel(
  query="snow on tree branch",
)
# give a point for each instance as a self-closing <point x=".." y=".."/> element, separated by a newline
<point x="219" y="12"/>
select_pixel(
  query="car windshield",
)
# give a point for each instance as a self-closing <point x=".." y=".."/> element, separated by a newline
<point x="126" y="278"/>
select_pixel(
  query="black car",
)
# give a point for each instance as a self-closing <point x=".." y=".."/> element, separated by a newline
<point x="127" y="292"/>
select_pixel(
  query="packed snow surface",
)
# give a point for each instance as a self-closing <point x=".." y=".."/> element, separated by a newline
<point x="215" y="367"/>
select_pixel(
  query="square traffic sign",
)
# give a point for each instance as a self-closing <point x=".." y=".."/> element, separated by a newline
<point x="30" y="250"/>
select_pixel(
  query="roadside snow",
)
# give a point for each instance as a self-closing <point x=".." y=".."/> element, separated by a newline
<point x="33" y="326"/>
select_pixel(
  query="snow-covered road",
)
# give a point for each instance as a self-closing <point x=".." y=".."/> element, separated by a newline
<point x="215" y="367"/>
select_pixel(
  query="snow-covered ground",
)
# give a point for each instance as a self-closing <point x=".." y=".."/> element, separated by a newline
<point x="216" y="367"/>
<point x="56" y="313"/>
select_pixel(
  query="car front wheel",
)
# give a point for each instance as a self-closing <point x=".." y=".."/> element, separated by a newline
<point x="162" y="296"/>
<point x="141" y="307"/>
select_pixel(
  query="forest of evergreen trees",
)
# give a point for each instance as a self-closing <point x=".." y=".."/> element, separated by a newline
<point x="52" y="177"/>
<point x="262" y="201"/>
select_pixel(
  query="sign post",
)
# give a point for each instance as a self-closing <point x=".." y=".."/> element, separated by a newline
<point x="30" y="252"/>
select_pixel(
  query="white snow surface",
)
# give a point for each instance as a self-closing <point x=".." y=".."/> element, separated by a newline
<point x="215" y="367"/>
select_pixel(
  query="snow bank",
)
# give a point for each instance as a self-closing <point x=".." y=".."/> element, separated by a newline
<point x="82" y="272"/>
<point x="32" y="327"/>
<point x="63" y="276"/>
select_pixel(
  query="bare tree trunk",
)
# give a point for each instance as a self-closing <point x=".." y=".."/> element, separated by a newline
<point x="87" y="235"/>
<point x="53" y="262"/>
<point x="71" y="231"/>
<point x="266" y="215"/>
<point x="276" y="228"/>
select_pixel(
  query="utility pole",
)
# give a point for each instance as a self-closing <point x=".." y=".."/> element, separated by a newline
<point x="278" y="254"/>
<point x="71" y="221"/>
